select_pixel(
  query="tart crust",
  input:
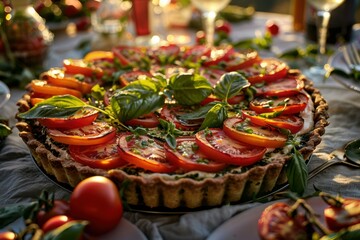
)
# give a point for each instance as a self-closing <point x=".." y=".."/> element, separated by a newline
<point x="160" y="190"/>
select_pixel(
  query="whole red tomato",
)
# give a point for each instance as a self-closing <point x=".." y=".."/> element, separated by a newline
<point x="55" y="222"/>
<point x="276" y="223"/>
<point x="222" y="26"/>
<point x="60" y="207"/>
<point x="272" y="28"/>
<point x="345" y="215"/>
<point x="8" y="236"/>
<point x="97" y="200"/>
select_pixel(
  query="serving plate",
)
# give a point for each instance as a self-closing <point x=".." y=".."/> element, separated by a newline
<point x="337" y="61"/>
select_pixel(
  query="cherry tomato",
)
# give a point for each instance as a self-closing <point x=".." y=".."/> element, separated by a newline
<point x="60" y="207"/>
<point x="219" y="54"/>
<point x="55" y="222"/>
<point x="149" y="120"/>
<point x="170" y="113"/>
<point x="285" y="105"/>
<point x="243" y="131"/>
<point x="79" y="66"/>
<point x="104" y="156"/>
<point x="240" y="60"/>
<point x="42" y="87"/>
<point x="144" y="152"/>
<point x="96" y="133"/>
<point x="80" y="119"/>
<point x="272" y="28"/>
<point x="219" y="147"/>
<point x="290" y="122"/>
<point x="222" y="26"/>
<point x="97" y="200"/>
<point x="197" y="52"/>
<point x="188" y="157"/>
<point x="276" y="223"/>
<point x="266" y="70"/>
<point x="131" y="76"/>
<point x="284" y="87"/>
<point x="345" y="215"/>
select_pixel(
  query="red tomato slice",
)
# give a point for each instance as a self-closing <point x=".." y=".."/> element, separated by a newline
<point x="243" y="131"/>
<point x="241" y="60"/>
<point x="234" y="100"/>
<point x="99" y="55"/>
<point x="169" y="52"/>
<point x="170" y="113"/>
<point x="286" y="105"/>
<point x="128" y="55"/>
<point x="266" y="70"/>
<point x="79" y="66"/>
<point x="103" y="156"/>
<point x="188" y="156"/>
<point x="338" y="217"/>
<point x="42" y="87"/>
<point x="284" y="87"/>
<point x="219" y="147"/>
<point x="80" y="119"/>
<point x="195" y="53"/>
<point x="131" y="76"/>
<point x="291" y="122"/>
<point x="219" y="54"/>
<point x="144" y="152"/>
<point x="96" y="133"/>
<point x="149" y="120"/>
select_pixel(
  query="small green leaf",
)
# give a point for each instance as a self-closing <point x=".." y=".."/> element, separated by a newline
<point x="230" y="85"/>
<point x="197" y="114"/>
<point x="297" y="173"/>
<point x="215" y="117"/>
<point x="4" y="130"/>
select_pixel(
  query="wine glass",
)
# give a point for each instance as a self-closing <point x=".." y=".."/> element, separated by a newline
<point x="209" y="9"/>
<point x="323" y="13"/>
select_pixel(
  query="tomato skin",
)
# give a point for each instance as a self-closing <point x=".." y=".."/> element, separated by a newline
<point x="149" y="120"/>
<point x="149" y="157"/>
<point x="290" y="122"/>
<point x="96" y="133"/>
<point x="272" y="28"/>
<point x="55" y="222"/>
<point x="60" y="207"/>
<point x="70" y="123"/>
<point x="276" y="223"/>
<point x="219" y="147"/>
<point x="103" y="156"/>
<point x="97" y="200"/>
<point x="338" y="217"/>
<point x="79" y="66"/>
<point x="186" y="157"/>
<point x="259" y="137"/>
<point x="284" y="87"/>
<point x="42" y="87"/>
<point x="241" y="60"/>
<point x="219" y="54"/>
<point x="8" y="236"/>
<point x="99" y="55"/>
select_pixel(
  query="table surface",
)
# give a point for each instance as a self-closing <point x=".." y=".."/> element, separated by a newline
<point x="21" y="180"/>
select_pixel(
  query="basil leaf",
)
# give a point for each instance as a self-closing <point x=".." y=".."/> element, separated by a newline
<point x="270" y="114"/>
<point x="189" y="89"/>
<point x="297" y="173"/>
<point x="4" y="130"/>
<point x="55" y="107"/>
<point x="215" y="117"/>
<point x="230" y="84"/>
<point x="9" y="214"/>
<point x="144" y="86"/>
<point x="199" y="113"/>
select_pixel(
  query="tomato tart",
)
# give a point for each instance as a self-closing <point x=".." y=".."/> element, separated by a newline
<point x="173" y="126"/>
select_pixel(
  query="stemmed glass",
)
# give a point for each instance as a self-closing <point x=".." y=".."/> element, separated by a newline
<point x="323" y="13"/>
<point x="209" y="9"/>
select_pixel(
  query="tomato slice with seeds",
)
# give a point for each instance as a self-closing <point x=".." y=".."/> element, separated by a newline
<point x="344" y="215"/>
<point x="241" y="60"/>
<point x="284" y="87"/>
<point x="219" y="147"/>
<point x="149" y="120"/>
<point x="242" y="130"/>
<point x="144" y="152"/>
<point x="79" y="66"/>
<point x="188" y="156"/>
<point x="291" y="122"/>
<point x="266" y="70"/>
<point x="286" y="105"/>
<point x="96" y="133"/>
<point x="80" y="119"/>
<point x="103" y="156"/>
<point x="42" y="87"/>
<point x="171" y="114"/>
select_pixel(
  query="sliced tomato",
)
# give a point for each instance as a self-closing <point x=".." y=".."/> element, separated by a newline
<point x="344" y="215"/>
<point x="149" y="120"/>
<point x="57" y="77"/>
<point x="103" y="156"/>
<point x="99" y="55"/>
<point x="82" y="118"/>
<point x="234" y="100"/>
<point x="96" y="133"/>
<point x="219" y="147"/>
<point x="35" y="101"/>
<point x="42" y="87"/>
<point x="168" y="70"/>
<point x="287" y="105"/>
<point x="196" y="53"/>
<point x="165" y="54"/>
<point x="240" y="60"/>
<point x="171" y="113"/>
<point x="291" y="122"/>
<point x="131" y="76"/>
<point x="127" y="56"/>
<point x="266" y="70"/>
<point x="243" y="131"/>
<point x="79" y="66"/>
<point x="144" y="152"/>
<point x="219" y="54"/>
<point x="284" y="87"/>
<point x="188" y="156"/>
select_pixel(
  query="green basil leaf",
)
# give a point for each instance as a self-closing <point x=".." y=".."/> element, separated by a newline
<point x="98" y="92"/>
<point x="171" y="140"/>
<point x="4" y="130"/>
<point x="199" y="113"/>
<point x="10" y="213"/>
<point x="270" y="114"/>
<point x="215" y="117"/>
<point x="297" y="173"/>
<point x="70" y="230"/>
<point x="230" y="84"/>
<point x="144" y="86"/>
<point x="189" y="89"/>
<point x="55" y="107"/>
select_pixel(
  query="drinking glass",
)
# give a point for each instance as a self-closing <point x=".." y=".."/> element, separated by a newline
<point x="323" y="13"/>
<point x="209" y="9"/>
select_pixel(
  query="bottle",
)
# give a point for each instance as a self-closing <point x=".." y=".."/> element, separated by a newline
<point x="341" y="22"/>
<point x="298" y="13"/>
<point x="26" y="33"/>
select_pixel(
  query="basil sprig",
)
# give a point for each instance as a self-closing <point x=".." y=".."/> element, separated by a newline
<point x="230" y="85"/>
